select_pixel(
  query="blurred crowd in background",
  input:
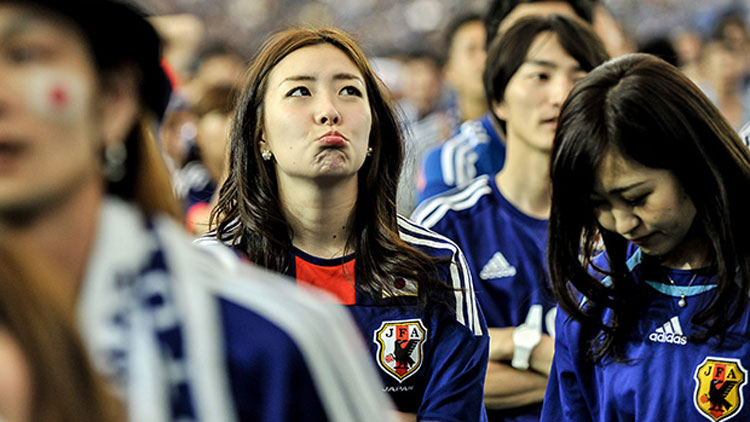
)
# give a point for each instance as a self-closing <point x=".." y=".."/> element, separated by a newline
<point x="431" y="65"/>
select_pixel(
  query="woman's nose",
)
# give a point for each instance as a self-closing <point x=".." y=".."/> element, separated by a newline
<point x="328" y="114"/>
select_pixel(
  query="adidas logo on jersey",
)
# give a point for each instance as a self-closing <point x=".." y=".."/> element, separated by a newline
<point x="669" y="332"/>
<point x="497" y="267"/>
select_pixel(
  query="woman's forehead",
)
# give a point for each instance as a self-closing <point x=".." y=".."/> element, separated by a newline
<point x="616" y="170"/>
<point x="313" y="61"/>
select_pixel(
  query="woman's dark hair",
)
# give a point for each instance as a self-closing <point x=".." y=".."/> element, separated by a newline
<point x="647" y="111"/>
<point x="248" y="213"/>
<point x="508" y="52"/>
<point x="37" y="311"/>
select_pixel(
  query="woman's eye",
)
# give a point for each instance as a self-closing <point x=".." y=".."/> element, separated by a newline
<point x="299" y="91"/>
<point x="636" y="201"/>
<point x="540" y="76"/>
<point x="350" y="90"/>
<point x="599" y="205"/>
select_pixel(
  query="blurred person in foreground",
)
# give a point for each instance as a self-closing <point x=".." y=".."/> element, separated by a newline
<point x="179" y="333"/>
<point x="315" y="156"/>
<point x="500" y="220"/>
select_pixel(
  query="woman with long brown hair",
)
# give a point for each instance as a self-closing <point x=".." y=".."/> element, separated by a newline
<point x="315" y="158"/>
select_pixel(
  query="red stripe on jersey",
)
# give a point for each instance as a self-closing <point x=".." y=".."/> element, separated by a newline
<point x="337" y="280"/>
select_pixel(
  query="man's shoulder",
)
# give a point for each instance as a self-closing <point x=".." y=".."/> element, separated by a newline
<point x="455" y="203"/>
<point x="474" y="150"/>
<point x="470" y="135"/>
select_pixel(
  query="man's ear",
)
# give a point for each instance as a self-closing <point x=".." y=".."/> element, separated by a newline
<point x="498" y="107"/>
<point x="120" y="103"/>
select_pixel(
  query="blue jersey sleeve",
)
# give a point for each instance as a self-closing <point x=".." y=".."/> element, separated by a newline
<point x="456" y="385"/>
<point x="564" y="399"/>
<point x="458" y="345"/>
<point x="430" y="181"/>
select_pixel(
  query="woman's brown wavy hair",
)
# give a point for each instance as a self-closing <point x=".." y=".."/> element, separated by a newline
<point x="248" y="214"/>
<point x="37" y="311"/>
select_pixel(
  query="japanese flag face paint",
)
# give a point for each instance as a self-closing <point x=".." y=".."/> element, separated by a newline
<point x="51" y="128"/>
<point x="55" y="95"/>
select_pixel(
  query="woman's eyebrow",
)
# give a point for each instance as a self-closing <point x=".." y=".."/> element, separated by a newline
<point x="338" y="76"/>
<point x="622" y="189"/>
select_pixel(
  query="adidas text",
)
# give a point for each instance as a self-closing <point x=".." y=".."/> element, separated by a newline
<point x="668" y="338"/>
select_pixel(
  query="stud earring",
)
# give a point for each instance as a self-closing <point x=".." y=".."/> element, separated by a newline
<point x="369" y="151"/>
<point x="266" y="154"/>
<point x="114" y="162"/>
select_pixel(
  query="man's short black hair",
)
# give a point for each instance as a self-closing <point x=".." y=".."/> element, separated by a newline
<point x="499" y="9"/>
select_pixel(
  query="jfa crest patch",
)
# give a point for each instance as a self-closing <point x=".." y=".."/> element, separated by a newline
<point x="718" y="388"/>
<point x="400" y="347"/>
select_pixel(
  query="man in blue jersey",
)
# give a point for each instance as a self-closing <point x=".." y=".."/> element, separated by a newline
<point x="178" y="332"/>
<point x="478" y="148"/>
<point x="500" y="220"/>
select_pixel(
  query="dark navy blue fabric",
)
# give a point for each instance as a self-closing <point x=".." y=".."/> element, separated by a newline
<point x="484" y="228"/>
<point x="449" y="384"/>
<point x="491" y="225"/>
<point x="661" y="380"/>
<point x="257" y="350"/>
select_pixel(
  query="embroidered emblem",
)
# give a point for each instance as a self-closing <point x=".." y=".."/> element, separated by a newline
<point x="718" y="388"/>
<point x="400" y="345"/>
<point x="497" y="267"/>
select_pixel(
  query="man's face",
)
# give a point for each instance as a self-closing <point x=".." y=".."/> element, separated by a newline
<point x="49" y="125"/>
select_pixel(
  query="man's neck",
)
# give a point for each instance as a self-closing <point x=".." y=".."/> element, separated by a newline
<point x="63" y="236"/>
<point x="472" y="108"/>
<point x="524" y="180"/>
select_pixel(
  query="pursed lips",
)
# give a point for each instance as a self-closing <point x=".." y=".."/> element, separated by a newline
<point x="333" y="139"/>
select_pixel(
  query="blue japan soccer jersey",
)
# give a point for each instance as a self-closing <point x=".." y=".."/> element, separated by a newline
<point x="432" y="360"/>
<point x="505" y="249"/>
<point x="506" y="252"/>
<point x="667" y="376"/>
